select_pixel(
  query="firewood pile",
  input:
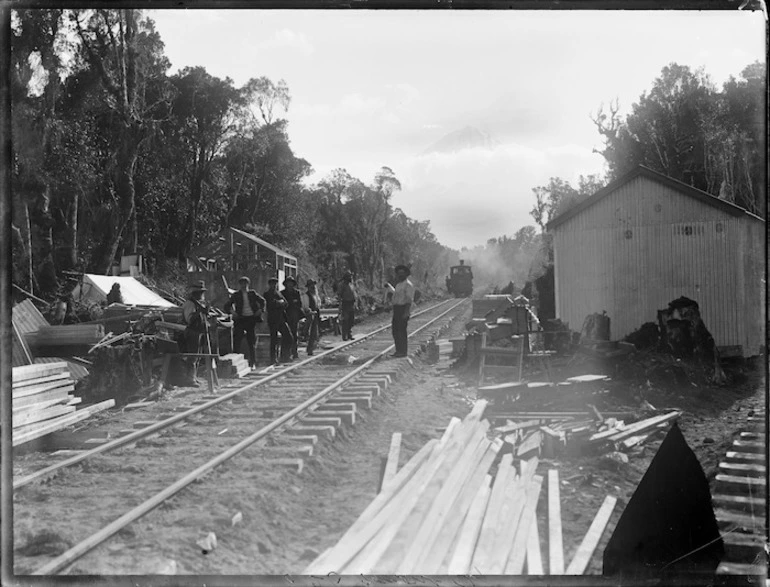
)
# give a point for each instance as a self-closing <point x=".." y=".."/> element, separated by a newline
<point x="456" y="508"/>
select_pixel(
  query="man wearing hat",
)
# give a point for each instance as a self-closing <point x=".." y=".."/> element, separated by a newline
<point x="403" y="297"/>
<point x="313" y="316"/>
<point x="276" y="321"/>
<point x="246" y="306"/>
<point x="194" y="315"/>
<point x="348" y="298"/>
<point x="294" y="311"/>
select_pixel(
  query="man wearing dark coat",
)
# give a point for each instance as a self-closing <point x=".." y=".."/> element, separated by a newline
<point x="194" y="315"/>
<point x="246" y="306"/>
<point x="294" y="311"/>
<point x="348" y="299"/>
<point x="402" y="299"/>
<point x="313" y="315"/>
<point x="276" y="306"/>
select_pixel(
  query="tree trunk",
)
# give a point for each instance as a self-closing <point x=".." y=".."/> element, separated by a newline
<point x="196" y="191"/>
<point x="124" y="186"/>
<point x="42" y="224"/>
<point x="22" y="222"/>
<point x="71" y="244"/>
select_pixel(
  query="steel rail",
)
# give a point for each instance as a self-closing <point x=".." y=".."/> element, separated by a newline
<point x="96" y="539"/>
<point x="142" y="433"/>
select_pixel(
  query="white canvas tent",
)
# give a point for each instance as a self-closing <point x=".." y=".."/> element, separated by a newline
<point x="96" y="287"/>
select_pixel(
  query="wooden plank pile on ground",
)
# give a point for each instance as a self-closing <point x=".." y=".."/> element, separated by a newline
<point x="579" y="432"/>
<point x="27" y="319"/>
<point x="232" y="366"/>
<point x="443" y="513"/>
<point x="83" y="334"/>
<point x="491" y="307"/>
<point x="42" y="401"/>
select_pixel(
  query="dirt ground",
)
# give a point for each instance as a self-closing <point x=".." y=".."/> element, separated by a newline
<point x="288" y="519"/>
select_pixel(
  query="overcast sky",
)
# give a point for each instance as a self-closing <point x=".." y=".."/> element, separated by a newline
<point x="374" y="88"/>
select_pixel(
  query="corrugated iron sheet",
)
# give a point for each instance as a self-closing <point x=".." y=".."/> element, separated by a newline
<point x="646" y="245"/>
<point x="27" y="318"/>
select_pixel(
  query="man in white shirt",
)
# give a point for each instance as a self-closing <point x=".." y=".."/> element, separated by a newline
<point x="403" y="297"/>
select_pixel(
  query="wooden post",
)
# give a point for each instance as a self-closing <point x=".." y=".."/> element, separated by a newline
<point x="164" y="373"/>
<point x="210" y="373"/>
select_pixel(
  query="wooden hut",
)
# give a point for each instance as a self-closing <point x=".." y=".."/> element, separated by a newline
<point x="233" y="253"/>
<point x="647" y="239"/>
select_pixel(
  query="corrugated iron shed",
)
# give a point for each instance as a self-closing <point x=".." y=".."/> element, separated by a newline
<point x="646" y="240"/>
<point x="27" y="319"/>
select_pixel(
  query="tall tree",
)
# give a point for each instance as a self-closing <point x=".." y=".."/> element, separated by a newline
<point x="35" y="83"/>
<point x="687" y="129"/>
<point x="127" y="53"/>
<point x="203" y="119"/>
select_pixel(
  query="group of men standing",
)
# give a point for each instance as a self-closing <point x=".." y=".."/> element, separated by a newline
<point x="401" y="296"/>
<point x="284" y="310"/>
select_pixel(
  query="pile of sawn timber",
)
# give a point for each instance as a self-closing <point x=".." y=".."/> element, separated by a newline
<point x="42" y="401"/>
<point x="232" y="366"/>
<point x="549" y="433"/>
<point x="443" y="514"/>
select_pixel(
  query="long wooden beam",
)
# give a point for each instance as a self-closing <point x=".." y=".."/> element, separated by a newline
<point x="555" y="545"/>
<point x="534" y="556"/>
<point x="520" y="549"/>
<point x="586" y="549"/>
<point x="391" y="467"/>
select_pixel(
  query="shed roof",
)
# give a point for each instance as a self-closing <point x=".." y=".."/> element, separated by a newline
<point x="218" y="246"/>
<point x="646" y="172"/>
<point x="264" y="243"/>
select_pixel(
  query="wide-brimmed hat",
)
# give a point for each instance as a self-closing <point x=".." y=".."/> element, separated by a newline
<point x="290" y="279"/>
<point x="243" y="279"/>
<point x="310" y="282"/>
<point x="403" y="268"/>
<point x="198" y="286"/>
<point x="273" y="280"/>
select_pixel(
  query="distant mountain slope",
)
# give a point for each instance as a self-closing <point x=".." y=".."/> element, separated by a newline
<point x="469" y="137"/>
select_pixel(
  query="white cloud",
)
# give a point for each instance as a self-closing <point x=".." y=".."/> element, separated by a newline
<point x="479" y="193"/>
<point x="288" y="39"/>
<point x="404" y="93"/>
<point x="359" y="104"/>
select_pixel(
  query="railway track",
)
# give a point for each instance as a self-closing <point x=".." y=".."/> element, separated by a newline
<point x="740" y="501"/>
<point x="285" y="413"/>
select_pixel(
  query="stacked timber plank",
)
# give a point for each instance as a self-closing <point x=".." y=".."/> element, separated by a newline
<point x="441" y="513"/>
<point x="27" y="319"/>
<point x="579" y="431"/>
<point x="415" y="523"/>
<point x="84" y="334"/>
<point x="42" y="401"/>
<point x="232" y="366"/>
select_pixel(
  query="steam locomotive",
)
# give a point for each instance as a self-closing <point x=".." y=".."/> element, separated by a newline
<point x="460" y="280"/>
